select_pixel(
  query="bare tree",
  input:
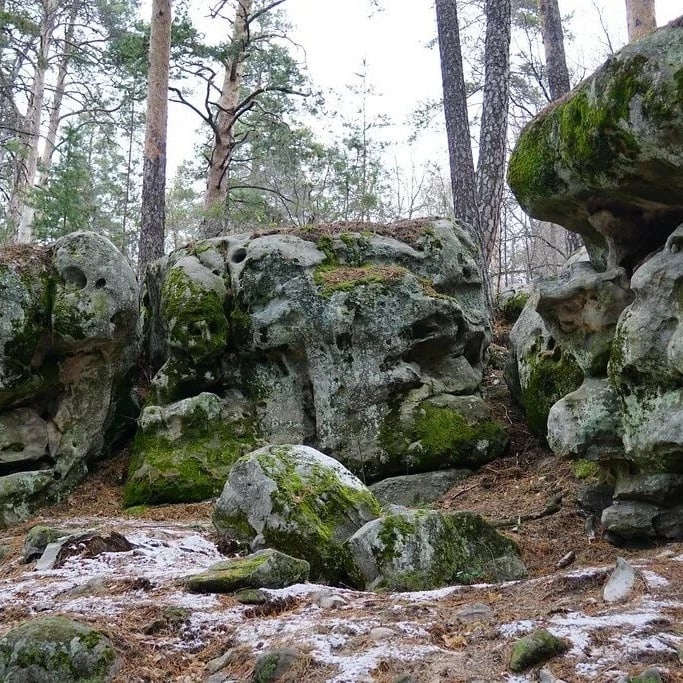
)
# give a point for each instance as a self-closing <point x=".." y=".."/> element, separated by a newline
<point x="154" y="171"/>
<point x="641" y="18"/>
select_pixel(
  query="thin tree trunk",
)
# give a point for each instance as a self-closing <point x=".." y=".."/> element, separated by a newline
<point x="56" y="108"/>
<point x="553" y="42"/>
<point x="641" y="18"/>
<point x="22" y="205"/>
<point x="218" y="181"/>
<point x="152" y="224"/>
<point x="493" y="133"/>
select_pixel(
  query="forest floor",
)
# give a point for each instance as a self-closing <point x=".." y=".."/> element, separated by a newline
<point x="456" y="634"/>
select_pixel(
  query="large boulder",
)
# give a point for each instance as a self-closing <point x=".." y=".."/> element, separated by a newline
<point x="68" y="347"/>
<point x="427" y="549"/>
<point x="51" y="649"/>
<point x="298" y="501"/>
<point x="326" y="331"/>
<point x="606" y="161"/>
<point x="183" y="452"/>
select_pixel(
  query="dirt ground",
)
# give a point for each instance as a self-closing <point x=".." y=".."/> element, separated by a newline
<point x="164" y="634"/>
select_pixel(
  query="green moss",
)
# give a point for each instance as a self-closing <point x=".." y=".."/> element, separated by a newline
<point x="316" y="509"/>
<point x="551" y="377"/>
<point x="190" y="469"/>
<point x="513" y="306"/>
<point x="586" y="469"/>
<point x="326" y="245"/>
<point x="394" y="529"/>
<point x="535" y="648"/>
<point x="197" y="324"/>
<point x="333" y="279"/>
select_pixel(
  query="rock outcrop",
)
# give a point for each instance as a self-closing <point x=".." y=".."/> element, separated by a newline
<point x="68" y="317"/>
<point x="363" y="341"/>
<point x="607" y="161"/>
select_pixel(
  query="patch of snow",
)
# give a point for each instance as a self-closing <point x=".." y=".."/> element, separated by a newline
<point x="653" y="579"/>
<point x="517" y="628"/>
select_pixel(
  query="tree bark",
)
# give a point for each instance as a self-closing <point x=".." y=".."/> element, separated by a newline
<point x="21" y="212"/>
<point x="152" y="227"/>
<point x="641" y="18"/>
<point x="553" y="42"/>
<point x="493" y="132"/>
<point x="218" y="181"/>
<point x="463" y="181"/>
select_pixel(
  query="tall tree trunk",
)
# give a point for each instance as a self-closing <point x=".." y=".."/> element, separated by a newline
<point x="463" y="179"/>
<point x="218" y="181"/>
<point x="152" y="224"/>
<point x="641" y="18"/>
<point x="21" y="211"/>
<point x="56" y="107"/>
<point x="493" y="132"/>
<point x="553" y="42"/>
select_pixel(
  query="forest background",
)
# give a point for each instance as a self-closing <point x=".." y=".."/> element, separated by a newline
<point x="337" y="114"/>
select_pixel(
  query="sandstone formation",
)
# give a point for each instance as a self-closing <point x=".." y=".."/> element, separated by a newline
<point x="607" y="161"/>
<point x="68" y="317"/>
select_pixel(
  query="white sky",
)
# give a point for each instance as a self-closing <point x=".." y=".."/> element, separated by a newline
<point x="336" y="35"/>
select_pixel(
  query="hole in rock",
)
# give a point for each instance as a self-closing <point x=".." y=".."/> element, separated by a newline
<point x="13" y="447"/>
<point x="101" y="282"/>
<point x="239" y="255"/>
<point x="45" y="463"/>
<point x="343" y="341"/>
<point x="74" y="277"/>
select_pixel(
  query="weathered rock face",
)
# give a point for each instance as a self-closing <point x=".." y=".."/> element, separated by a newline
<point x="68" y="317"/>
<point x="298" y="501"/>
<point x="427" y="549"/>
<point x="344" y="340"/>
<point x="606" y="161"/>
<point x="56" y="649"/>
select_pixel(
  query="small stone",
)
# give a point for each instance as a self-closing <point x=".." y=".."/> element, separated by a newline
<point x="566" y="560"/>
<point x="273" y="665"/>
<point x="381" y="633"/>
<point x="251" y="596"/>
<point x="547" y="676"/>
<point x="535" y="648"/>
<point x="620" y="583"/>
<point x="327" y="600"/>
<point x="651" y="675"/>
<point x="219" y="663"/>
<point x="477" y="611"/>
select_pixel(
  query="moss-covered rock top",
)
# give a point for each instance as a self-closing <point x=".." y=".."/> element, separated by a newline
<point x="614" y="145"/>
<point x="56" y="649"/>
<point x="300" y="501"/>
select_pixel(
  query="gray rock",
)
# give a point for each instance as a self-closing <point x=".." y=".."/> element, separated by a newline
<point x="427" y="549"/>
<point x="539" y="371"/>
<point x="535" y="648"/>
<point x="587" y="422"/>
<point x="650" y="675"/>
<point x="37" y="539"/>
<point x="381" y="633"/>
<point x="414" y="490"/>
<point x="68" y="347"/>
<point x="274" y="664"/>
<point x="475" y="612"/>
<point x="264" y="569"/>
<point x="302" y="502"/>
<point x="662" y="488"/>
<point x="324" y="330"/>
<point x="51" y="649"/>
<point x="629" y="520"/>
<point x="621" y="582"/>
<point x="594" y="498"/>
<point x="598" y="162"/>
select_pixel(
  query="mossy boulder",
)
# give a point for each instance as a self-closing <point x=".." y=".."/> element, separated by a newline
<point x="183" y="452"/>
<point x="511" y="304"/>
<point x="442" y="431"/>
<point x="51" y="649"/>
<point x="298" y="501"/>
<point x="535" y="648"/>
<point x="427" y="549"/>
<point x="264" y="569"/>
<point x="606" y="161"/>
<point x="320" y="327"/>
<point x="539" y="371"/>
<point x="68" y="350"/>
